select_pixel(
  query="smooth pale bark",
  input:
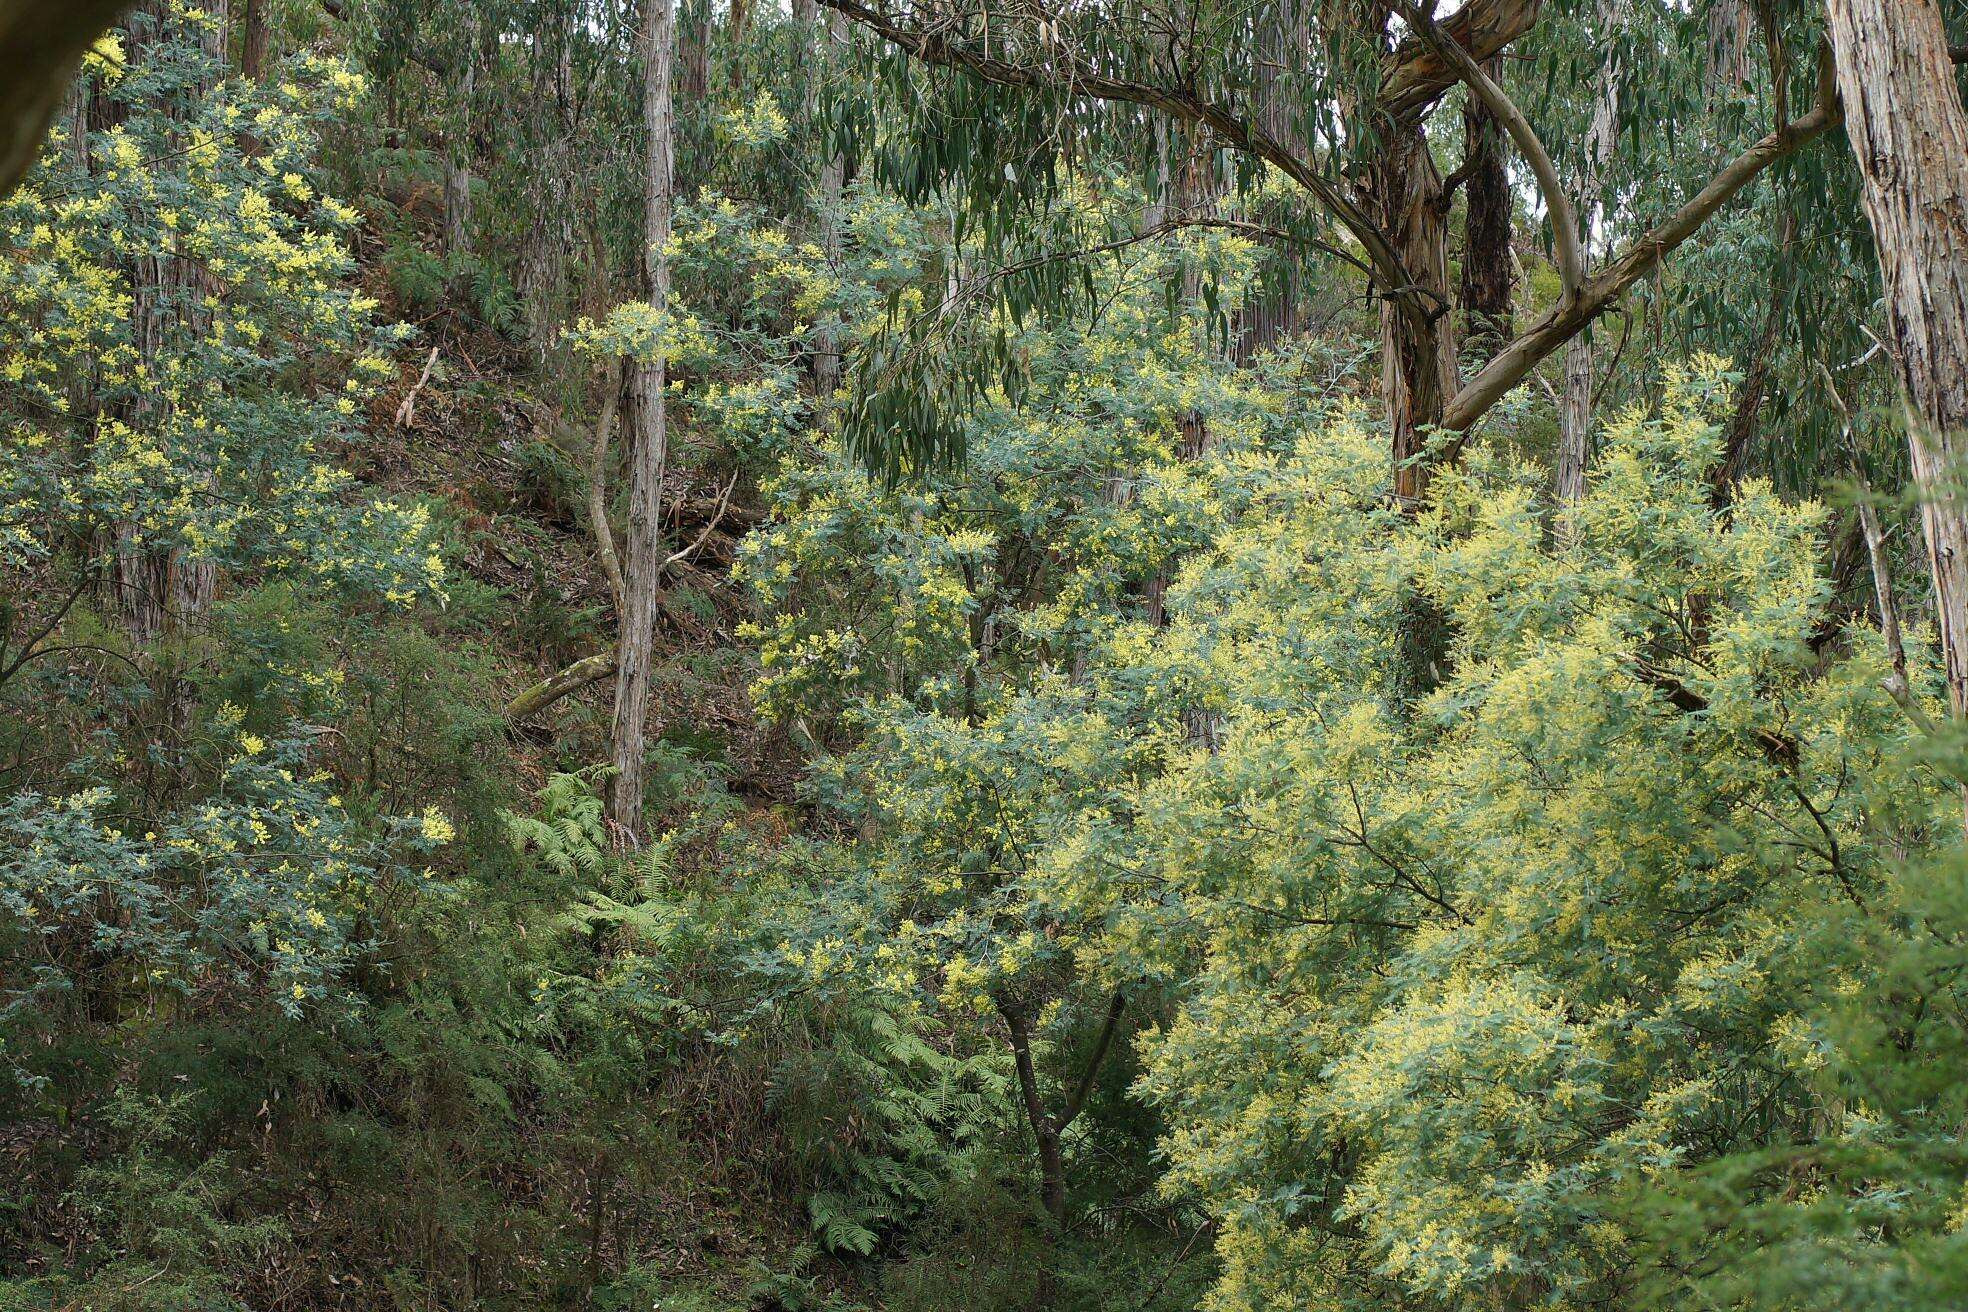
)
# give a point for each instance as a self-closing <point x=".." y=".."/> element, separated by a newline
<point x="41" y="43"/>
<point x="604" y="537"/>
<point x="832" y="36"/>
<point x="1575" y="407"/>
<point x="643" y="568"/>
<point x="1908" y="130"/>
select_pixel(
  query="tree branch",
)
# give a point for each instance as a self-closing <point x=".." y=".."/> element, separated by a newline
<point x="27" y="649"/>
<point x="1567" y="319"/>
<point x="556" y="686"/>
<point x="717" y="517"/>
<point x="611" y="563"/>
<point x="1092" y="1072"/>
<point x="436" y="64"/>
<point x="1564" y="220"/>
<point x="1420" y="74"/>
<point x="1067" y="73"/>
<point x="1895" y="683"/>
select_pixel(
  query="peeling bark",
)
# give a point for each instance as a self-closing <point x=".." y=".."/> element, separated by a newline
<point x="1910" y="135"/>
<point x="1418" y="356"/>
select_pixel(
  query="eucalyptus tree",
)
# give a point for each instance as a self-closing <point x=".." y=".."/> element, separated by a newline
<point x="642" y="569"/>
<point x="1371" y="85"/>
<point x="1910" y="135"/>
<point x="1575" y="409"/>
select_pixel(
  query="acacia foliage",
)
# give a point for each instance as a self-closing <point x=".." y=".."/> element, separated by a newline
<point x="1621" y="972"/>
<point x="191" y="352"/>
<point x="1562" y="985"/>
<point x="1467" y="993"/>
<point x="204" y="420"/>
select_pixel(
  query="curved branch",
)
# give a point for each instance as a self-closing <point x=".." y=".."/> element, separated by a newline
<point x="1421" y="73"/>
<point x="611" y="563"/>
<point x="1564" y="219"/>
<point x="1567" y="319"/>
<point x="1068" y="73"/>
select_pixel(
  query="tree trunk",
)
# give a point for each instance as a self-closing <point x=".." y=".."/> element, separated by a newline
<point x="696" y="49"/>
<point x="154" y="591"/>
<point x="1575" y="410"/>
<point x="458" y="166"/>
<point x="1045" y="1132"/>
<point x="1741" y="434"/>
<point x="253" y="41"/>
<point x="1418" y="368"/>
<point x="1273" y="313"/>
<point x="1729" y="67"/>
<point x="1486" y="271"/>
<point x="1910" y="135"/>
<point x="828" y="36"/>
<point x="549" y="243"/>
<point x="642" y="571"/>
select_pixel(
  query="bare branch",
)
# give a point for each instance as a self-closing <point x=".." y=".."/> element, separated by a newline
<point x="1567" y="319"/>
<point x="717" y="517"/>
<point x="555" y="686"/>
<point x="1895" y="683"/>
<point x="1564" y="220"/>
<point x="611" y="563"/>
<point x="406" y="413"/>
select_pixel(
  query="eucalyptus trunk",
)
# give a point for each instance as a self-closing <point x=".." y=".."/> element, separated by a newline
<point x="1487" y="282"/>
<point x="641" y="572"/>
<point x="1418" y="350"/>
<point x="828" y="34"/>
<point x="1907" y="128"/>
<point x="1274" y="312"/>
<point x="158" y="590"/>
<point x="1575" y="408"/>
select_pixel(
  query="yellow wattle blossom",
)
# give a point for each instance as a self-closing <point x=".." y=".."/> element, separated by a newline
<point x="436" y="827"/>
